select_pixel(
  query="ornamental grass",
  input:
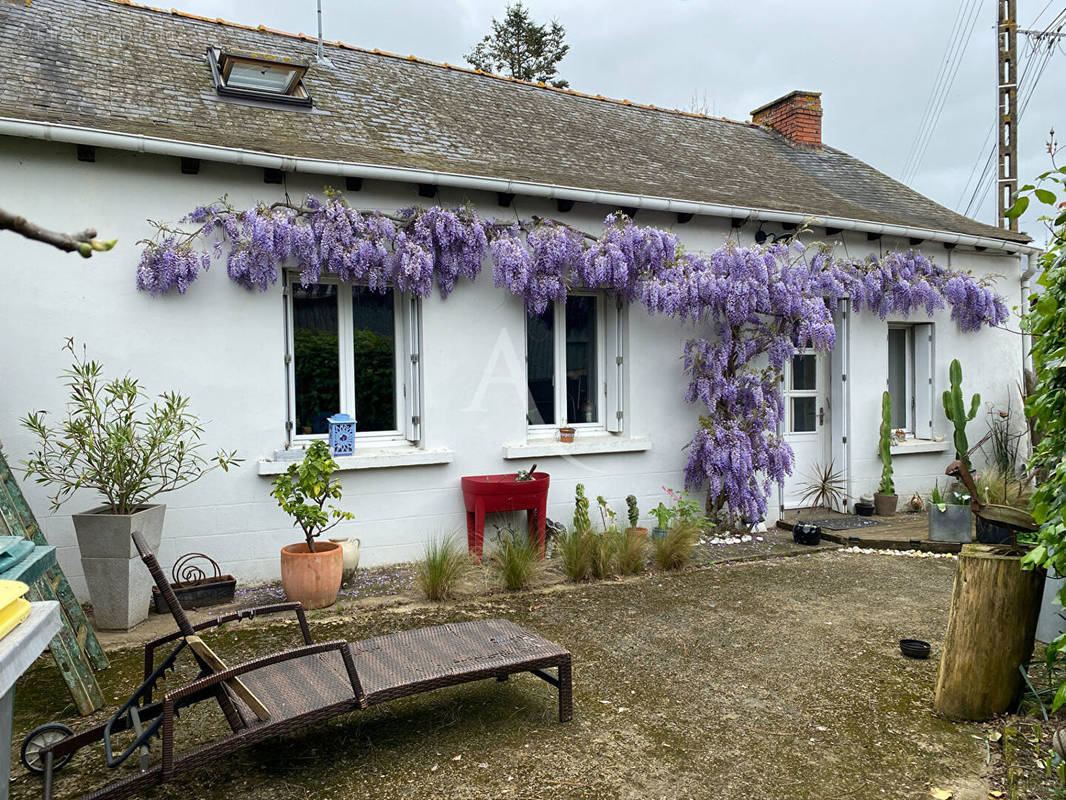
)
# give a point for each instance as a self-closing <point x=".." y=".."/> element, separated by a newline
<point x="443" y="569"/>
<point x="515" y="559"/>
<point x="674" y="550"/>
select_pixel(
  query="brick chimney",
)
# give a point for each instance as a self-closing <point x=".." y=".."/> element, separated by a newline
<point x="797" y="116"/>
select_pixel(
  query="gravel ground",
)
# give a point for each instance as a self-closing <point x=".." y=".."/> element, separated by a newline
<point x="776" y="678"/>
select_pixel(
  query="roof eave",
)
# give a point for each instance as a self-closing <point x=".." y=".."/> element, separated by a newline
<point x="140" y="143"/>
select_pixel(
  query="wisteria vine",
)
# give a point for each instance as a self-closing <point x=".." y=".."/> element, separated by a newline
<point x="763" y="304"/>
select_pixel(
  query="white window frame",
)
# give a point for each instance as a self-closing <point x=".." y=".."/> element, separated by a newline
<point x="918" y="373"/>
<point x="407" y="318"/>
<point x="610" y="368"/>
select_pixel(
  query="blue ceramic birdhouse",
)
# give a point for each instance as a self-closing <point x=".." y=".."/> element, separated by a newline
<point x="341" y="435"/>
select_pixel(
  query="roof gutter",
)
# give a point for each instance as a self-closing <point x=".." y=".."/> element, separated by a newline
<point x="139" y="143"/>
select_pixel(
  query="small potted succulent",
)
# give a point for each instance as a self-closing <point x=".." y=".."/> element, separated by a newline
<point x="112" y="441"/>
<point x="885" y="498"/>
<point x="950" y="517"/>
<point x="566" y="433"/>
<point x="634" y="515"/>
<point x="311" y="571"/>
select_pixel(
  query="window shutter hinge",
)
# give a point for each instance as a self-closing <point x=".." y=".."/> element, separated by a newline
<point x="414" y="358"/>
<point x="416" y="420"/>
<point x="288" y="426"/>
<point x="618" y="360"/>
<point x="843" y="378"/>
<point x="843" y="439"/>
<point x="618" y="414"/>
<point x="288" y="359"/>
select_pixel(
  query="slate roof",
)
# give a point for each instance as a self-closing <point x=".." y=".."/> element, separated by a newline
<point x="116" y="66"/>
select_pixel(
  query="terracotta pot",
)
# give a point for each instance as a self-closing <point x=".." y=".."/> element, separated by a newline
<point x="885" y="504"/>
<point x="312" y="579"/>
<point x="566" y="434"/>
<point x="640" y="531"/>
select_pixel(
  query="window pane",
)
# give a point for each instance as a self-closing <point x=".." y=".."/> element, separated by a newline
<point x="540" y="367"/>
<point x="374" y="343"/>
<point x="803" y="415"/>
<point x="315" y="364"/>
<point x="260" y="75"/>
<point x="897" y="375"/>
<point x="803" y="372"/>
<point x="581" y="379"/>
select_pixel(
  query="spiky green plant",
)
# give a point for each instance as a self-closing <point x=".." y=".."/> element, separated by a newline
<point x="515" y="559"/>
<point x="673" y="550"/>
<point x="631" y="549"/>
<point x="632" y="510"/>
<point x="955" y="410"/>
<point x="825" y="488"/>
<point x="582" y="523"/>
<point x="573" y="549"/>
<point x="602" y="549"/>
<point x="443" y="569"/>
<point x="885" y="446"/>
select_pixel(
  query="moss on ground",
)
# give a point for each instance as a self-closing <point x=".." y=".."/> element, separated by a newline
<point x="778" y="679"/>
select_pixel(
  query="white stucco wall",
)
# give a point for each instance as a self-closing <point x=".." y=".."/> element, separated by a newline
<point x="224" y="347"/>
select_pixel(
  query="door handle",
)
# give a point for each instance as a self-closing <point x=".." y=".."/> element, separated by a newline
<point x="821" y="415"/>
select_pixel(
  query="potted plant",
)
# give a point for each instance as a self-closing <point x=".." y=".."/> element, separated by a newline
<point x="663" y="515"/>
<point x="634" y="515"/>
<point x="311" y="571"/>
<point x="950" y="518"/>
<point x="114" y="442"/>
<point x="885" y="498"/>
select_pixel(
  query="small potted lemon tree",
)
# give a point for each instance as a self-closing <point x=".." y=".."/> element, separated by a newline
<point x="311" y="571"/>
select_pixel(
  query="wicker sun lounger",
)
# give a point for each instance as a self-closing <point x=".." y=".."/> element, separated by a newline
<point x="289" y="690"/>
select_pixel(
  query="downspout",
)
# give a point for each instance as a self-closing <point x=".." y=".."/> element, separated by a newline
<point x="1030" y="266"/>
<point x="139" y="143"/>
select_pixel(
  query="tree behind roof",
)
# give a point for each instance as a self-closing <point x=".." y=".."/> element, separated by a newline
<point x="520" y="48"/>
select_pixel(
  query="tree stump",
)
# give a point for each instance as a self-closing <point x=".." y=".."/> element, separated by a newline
<point x="994" y="608"/>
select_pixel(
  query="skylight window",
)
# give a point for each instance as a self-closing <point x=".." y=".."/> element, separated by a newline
<point x="255" y="76"/>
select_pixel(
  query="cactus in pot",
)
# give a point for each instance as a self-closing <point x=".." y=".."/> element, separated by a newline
<point x="955" y="411"/>
<point x="582" y="523"/>
<point x="634" y="515"/>
<point x="885" y="498"/>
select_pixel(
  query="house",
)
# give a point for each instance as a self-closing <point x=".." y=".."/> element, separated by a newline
<point x="116" y="113"/>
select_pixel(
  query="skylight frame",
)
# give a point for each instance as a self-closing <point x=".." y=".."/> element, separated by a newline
<point x="222" y="62"/>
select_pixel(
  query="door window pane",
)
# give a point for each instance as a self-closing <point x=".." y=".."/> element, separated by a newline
<point x="803" y="372"/>
<point x="581" y="359"/>
<point x="316" y="367"/>
<point x="540" y="367"/>
<point x="374" y="346"/>
<point x="897" y="375"/>
<point x="803" y="414"/>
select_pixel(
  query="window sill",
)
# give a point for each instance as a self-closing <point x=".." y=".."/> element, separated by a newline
<point x="371" y="458"/>
<point x="582" y="445"/>
<point x="914" y="446"/>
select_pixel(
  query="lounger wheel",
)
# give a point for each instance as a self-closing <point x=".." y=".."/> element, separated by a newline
<point x="40" y="738"/>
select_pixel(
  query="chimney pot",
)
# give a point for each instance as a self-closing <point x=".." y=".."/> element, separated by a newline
<point x="797" y="116"/>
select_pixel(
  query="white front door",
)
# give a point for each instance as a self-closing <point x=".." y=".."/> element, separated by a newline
<point x="806" y="425"/>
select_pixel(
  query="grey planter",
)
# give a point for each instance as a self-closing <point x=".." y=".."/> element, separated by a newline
<point x="953" y="524"/>
<point x="120" y="587"/>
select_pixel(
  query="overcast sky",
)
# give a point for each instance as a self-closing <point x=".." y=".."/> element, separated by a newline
<point x="875" y="63"/>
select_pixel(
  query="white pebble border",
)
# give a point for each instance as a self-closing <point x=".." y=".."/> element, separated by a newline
<point x="730" y="539"/>
<point x="870" y="551"/>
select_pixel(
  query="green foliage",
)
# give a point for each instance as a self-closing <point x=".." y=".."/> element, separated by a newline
<point x="663" y="514"/>
<point x="582" y="522"/>
<point x="515" y="559"/>
<point x="602" y="548"/>
<point x="632" y="511"/>
<point x="443" y="569"/>
<point x="674" y="550"/>
<point x="885" y="446"/>
<point x="112" y="441"/>
<point x="1001" y="488"/>
<point x="824" y="488"/>
<point x="631" y="551"/>
<point x="520" y="48"/>
<point x="574" y="549"/>
<point x="303" y="490"/>
<point x="1046" y="403"/>
<point x="955" y="410"/>
<point x="607" y="515"/>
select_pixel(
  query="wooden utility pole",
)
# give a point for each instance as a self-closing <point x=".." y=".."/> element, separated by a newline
<point x="1007" y="83"/>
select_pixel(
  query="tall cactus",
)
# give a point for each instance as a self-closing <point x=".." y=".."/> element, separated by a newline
<point x="582" y="523"/>
<point x="955" y="411"/>
<point x="634" y="512"/>
<point x="885" y="446"/>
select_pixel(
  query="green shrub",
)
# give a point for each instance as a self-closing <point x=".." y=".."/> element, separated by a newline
<point x="515" y="559"/>
<point x="673" y="550"/>
<point x="573" y="549"/>
<point x="632" y="552"/>
<point x="443" y="569"/>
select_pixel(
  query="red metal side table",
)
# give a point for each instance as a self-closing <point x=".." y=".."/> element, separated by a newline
<point x="485" y="493"/>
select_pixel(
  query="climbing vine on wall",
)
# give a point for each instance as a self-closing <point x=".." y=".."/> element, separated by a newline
<point x="762" y="304"/>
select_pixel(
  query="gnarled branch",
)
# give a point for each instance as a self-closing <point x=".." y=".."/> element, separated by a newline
<point x="84" y="242"/>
